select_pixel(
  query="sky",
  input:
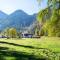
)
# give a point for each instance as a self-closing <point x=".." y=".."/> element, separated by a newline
<point x="28" y="6"/>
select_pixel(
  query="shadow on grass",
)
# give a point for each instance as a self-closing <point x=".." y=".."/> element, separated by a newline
<point x="5" y="52"/>
<point x="32" y="47"/>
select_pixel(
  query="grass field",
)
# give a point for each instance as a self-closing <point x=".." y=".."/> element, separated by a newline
<point x="44" y="48"/>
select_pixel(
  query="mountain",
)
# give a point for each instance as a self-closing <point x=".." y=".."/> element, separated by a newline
<point x="2" y="15"/>
<point x="18" y="19"/>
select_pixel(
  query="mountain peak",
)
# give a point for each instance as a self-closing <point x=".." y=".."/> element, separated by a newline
<point x="20" y="12"/>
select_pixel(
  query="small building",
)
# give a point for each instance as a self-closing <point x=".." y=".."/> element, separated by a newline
<point x="27" y="35"/>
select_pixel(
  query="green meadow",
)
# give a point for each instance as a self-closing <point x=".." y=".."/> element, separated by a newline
<point x="44" y="48"/>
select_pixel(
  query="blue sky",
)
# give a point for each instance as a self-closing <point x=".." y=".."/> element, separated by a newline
<point x="29" y="6"/>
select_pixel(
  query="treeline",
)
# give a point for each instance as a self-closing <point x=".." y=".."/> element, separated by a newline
<point x="49" y="19"/>
<point x="10" y="33"/>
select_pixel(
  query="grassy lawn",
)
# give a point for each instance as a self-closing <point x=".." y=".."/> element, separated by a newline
<point x="44" y="48"/>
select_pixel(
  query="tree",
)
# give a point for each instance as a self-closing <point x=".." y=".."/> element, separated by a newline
<point x="51" y="24"/>
<point x="19" y="34"/>
<point x="12" y="32"/>
<point x="6" y="33"/>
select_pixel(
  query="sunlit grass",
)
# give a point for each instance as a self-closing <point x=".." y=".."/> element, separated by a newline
<point x="28" y="48"/>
